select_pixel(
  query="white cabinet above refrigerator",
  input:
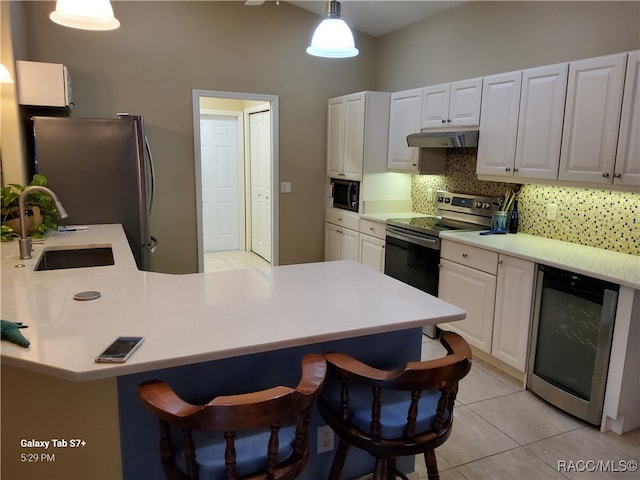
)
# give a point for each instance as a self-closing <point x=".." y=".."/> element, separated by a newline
<point x="43" y="84"/>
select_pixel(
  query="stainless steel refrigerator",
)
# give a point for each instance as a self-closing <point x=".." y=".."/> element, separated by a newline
<point x="102" y="171"/>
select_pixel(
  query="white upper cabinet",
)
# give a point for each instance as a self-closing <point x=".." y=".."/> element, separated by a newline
<point x="345" y="136"/>
<point x="452" y="104"/>
<point x="540" y="122"/>
<point x="435" y="106"/>
<point x="499" y="124"/>
<point x="335" y="137"/>
<point x="404" y="118"/>
<point x="354" y="135"/>
<point x="43" y="84"/>
<point x="357" y="129"/>
<point x="521" y="123"/>
<point x="592" y="119"/>
<point x="627" y="168"/>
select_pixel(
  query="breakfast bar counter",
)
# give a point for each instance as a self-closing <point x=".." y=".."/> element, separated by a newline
<point x="235" y="322"/>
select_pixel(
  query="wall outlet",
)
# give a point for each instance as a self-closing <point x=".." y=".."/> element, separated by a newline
<point x="552" y="211"/>
<point x="325" y="439"/>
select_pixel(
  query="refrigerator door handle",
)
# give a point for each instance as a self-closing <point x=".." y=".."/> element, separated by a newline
<point x="152" y="171"/>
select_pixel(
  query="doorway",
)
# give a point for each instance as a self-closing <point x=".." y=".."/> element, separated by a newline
<point x="236" y="170"/>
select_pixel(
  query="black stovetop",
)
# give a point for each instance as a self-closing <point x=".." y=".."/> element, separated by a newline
<point x="431" y="225"/>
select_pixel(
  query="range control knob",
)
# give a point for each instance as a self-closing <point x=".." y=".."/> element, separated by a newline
<point x="447" y="200"/>
<point x="486" y="205"/>
<point x="477" y="204"/>
<point x="440" y="199"/>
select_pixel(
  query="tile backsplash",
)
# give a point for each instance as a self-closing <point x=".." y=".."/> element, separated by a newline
<point x="597" y="218"/>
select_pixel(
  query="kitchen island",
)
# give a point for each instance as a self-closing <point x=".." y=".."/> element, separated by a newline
<point x="209" y="331"/>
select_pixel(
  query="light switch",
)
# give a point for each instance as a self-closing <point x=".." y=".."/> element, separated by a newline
<point x="285" y="187"/>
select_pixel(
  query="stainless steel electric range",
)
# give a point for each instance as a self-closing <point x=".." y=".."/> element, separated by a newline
<point x="412" y="246"/>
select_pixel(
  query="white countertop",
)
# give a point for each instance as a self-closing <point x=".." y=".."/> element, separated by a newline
<point x="620" y="268"/>
<point x="196" y="317"/>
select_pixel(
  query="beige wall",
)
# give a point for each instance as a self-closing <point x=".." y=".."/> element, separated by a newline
<point x="161" y="52"/>
<point x="483" y="38"/>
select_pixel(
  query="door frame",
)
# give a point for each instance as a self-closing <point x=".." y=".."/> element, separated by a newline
<point x="273" y="100"/>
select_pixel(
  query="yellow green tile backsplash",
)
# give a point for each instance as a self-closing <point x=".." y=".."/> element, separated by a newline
<point x="597" y="218"/>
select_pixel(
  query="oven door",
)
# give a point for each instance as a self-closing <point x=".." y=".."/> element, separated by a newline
<point x="413" y="259"/>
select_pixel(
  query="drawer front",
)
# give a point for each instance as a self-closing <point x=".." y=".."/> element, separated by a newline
<point x="343" y="218"/>
<point x="375" y="229"/>
<point x="473" y="257"/>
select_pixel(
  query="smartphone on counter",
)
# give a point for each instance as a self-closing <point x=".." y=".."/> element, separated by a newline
<point x="120" y="350"/>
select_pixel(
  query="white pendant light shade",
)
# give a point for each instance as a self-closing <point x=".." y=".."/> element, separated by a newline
<point x="85" y="14"/>
<point x="5" y="77"/>
<point x="333" y="37"/>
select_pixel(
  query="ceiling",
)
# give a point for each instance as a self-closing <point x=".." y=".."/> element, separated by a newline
<point x="380" y="17"/>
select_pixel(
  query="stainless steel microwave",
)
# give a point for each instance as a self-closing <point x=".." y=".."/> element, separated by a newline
<point x="346" y="194"/>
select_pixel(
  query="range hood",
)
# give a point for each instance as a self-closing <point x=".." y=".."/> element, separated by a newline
<point x="443" y="139"/>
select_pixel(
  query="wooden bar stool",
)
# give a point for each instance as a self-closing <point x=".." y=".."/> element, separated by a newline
<point x="259" y="436"/>
<point x="393" y="413"/>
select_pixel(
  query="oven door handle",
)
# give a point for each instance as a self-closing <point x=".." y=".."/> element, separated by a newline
<point x="429" y="242"/>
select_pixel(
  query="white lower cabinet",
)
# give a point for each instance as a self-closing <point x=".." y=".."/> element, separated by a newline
<point x="372" y="239"/>
<point x="512" y="317"/>
<point x="340" y="243"/>
<point x="474" y="291"/>
<point x="341" y="236"/>
<point x="496" y="291"/>
<point x="372" y="252"/>
<point x="348" y="237"/>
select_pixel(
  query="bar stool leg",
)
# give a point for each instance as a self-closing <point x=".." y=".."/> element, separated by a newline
<point x="338" y="460"/>
<point x="432" y="465"/>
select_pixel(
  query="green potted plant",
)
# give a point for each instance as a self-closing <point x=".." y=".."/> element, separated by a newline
<point x="40" y="210"/>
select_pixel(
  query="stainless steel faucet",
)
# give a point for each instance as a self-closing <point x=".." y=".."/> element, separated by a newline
<point x="25" y="242"/>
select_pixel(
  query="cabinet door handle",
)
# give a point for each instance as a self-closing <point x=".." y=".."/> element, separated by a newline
<point x="444" y="121"/>
<point x="371" y="229"/>
<point x="448" y="120"/>
<point x="515" y="170"/>
<point x="617" y="175"/>
<point x="465" y="255"/>
<point x="500" y="262"/>
<point x="605" y="175"/>
<point x="507" y="169"/>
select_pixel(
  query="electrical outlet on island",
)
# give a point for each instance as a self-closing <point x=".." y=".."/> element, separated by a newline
<point x="325" y="439"/>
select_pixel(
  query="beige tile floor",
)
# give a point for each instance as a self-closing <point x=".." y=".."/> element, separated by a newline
<point x="232" y="260"/>
<point x="502" y="432"/>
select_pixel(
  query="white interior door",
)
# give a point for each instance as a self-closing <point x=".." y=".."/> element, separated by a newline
<point x="220" y="192"/>
<point x="260" y="161"/>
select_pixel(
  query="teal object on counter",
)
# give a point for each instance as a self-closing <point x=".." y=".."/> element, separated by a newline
<point x="11" y="332"/>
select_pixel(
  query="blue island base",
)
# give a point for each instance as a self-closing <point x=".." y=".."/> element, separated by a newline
<point x="139" y="436"/>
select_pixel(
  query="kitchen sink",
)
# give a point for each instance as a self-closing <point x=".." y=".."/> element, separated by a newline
<point x="75" y="258"/>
